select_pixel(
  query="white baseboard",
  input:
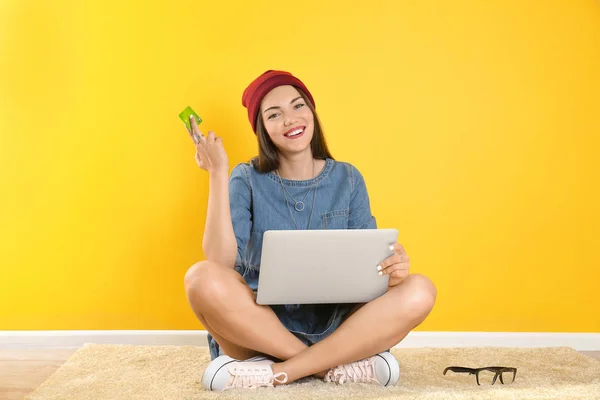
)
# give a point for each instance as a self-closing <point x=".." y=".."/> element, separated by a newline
<point x="76" y="339"/>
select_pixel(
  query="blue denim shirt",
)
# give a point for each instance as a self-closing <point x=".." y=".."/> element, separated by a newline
<point x="258" y="204"/>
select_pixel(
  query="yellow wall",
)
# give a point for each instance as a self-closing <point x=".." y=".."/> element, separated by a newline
<point x="476" y="125"/>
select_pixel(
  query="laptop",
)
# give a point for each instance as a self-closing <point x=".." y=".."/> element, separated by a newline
<point x="323" y="266"/>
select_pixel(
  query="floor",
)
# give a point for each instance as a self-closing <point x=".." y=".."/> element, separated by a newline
<point x="21" y="371"/>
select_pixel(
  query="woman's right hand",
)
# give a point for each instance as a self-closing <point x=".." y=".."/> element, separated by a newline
<point x="210" y="153"/>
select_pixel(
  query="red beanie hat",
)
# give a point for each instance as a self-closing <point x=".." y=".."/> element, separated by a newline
<point x="262" y="85"/>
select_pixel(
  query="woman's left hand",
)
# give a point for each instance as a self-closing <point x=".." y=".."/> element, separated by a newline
<point x="397" y="266"/>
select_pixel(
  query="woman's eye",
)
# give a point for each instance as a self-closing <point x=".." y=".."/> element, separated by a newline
<point x="296" y="106"/>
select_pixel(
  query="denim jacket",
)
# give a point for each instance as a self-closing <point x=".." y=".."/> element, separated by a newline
<point x="258" y="204"/>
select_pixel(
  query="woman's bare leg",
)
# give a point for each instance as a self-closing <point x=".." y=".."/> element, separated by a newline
<point x="232" y="350"/>
<point x="225" y="305"/>
<point x="373" y="328"/>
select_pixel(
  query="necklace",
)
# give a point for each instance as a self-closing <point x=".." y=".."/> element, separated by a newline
<point x="288" y="206"/>
<point x="298" y="205"/>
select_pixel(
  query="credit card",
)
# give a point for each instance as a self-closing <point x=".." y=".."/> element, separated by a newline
<point x="185" y="117"/>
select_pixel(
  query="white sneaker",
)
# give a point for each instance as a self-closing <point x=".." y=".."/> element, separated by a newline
<point x="382" y="368"/>
<point x="225" y="373"/>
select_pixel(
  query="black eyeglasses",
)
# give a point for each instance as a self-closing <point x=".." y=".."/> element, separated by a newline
<point x="488" y="375"/>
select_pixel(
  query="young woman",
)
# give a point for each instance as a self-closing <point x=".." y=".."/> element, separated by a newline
<point x="293" y="183"/>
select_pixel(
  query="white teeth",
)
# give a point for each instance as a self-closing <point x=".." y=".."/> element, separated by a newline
<point x="296" y="132"/>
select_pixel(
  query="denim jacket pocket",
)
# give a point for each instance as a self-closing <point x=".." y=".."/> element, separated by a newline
<point x="336" y="219"/>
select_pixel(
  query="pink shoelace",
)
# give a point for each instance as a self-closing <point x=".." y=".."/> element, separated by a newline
<point x="252" y="377"/>
<point x="360" y="371"/>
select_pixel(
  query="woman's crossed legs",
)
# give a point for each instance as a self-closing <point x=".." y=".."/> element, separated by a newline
<point x="225" y="305"/>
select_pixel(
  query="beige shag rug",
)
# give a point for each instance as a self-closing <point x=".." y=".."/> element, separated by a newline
<point x="175" y="372"/>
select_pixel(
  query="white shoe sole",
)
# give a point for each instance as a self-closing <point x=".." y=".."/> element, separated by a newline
<point x="393" y="366"/>
<point x="218" y="363"/>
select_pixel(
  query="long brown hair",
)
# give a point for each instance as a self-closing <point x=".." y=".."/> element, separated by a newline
<point x="268" y="155"/>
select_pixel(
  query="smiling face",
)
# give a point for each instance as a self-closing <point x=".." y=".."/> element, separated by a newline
<point x="287" y="118"/>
